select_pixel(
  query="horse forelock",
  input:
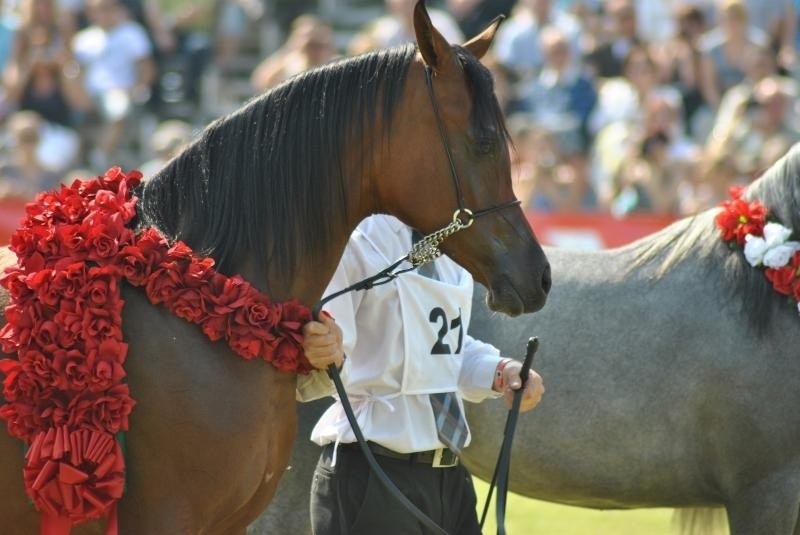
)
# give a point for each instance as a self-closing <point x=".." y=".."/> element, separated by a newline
<point x="267" y="182"/>
<point x="696" y="239"/>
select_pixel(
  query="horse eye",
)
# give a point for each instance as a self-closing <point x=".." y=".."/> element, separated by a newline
<point x="484" y="146"/>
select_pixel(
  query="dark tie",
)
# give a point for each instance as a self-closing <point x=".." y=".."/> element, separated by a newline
<point x="450" y="423"/>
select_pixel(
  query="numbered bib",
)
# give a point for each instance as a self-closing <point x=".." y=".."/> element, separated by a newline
<point x="435" y="317"/>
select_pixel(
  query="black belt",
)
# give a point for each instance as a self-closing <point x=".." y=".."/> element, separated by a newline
<point x="438" y="458"/>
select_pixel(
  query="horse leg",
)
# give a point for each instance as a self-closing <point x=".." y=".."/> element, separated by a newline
<point x="769" y="506"/>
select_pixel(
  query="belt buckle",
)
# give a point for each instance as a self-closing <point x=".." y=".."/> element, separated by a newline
<point x="444" y="458"/>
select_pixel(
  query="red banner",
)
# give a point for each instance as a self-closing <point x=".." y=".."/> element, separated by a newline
<point x="593" y="231"/>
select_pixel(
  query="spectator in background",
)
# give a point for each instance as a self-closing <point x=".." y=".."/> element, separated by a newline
<point x="231" y="19"/>
<point x="397" y="27"/>
<point x="678" y="61"/>
<point x="168" y="141"/>
<point x="660" y="157"/>
<point x="149" y="16"/>
<point x="542" y="181"/>
<point x="763" y="130"/>
<point x="22" y="175"/>
<point x="622" y="99"/>
<point x="116" y="58"/>
<point x="724" y="51"/>
<point x="619" y="115"/>
<point x="607" y="59"/>
<point x="8" y="26"/>
<point x="759" y="63"/>
<point x="517" y="43"/>
<point x="561" y="98"/>
<point x="655" y="23"/>
<point x="309" y="44"/>
<point x="778" y="20"/>
<point x="42" y="77"/>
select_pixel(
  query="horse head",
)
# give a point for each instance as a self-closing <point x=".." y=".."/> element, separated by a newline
<point x="448" y="151"/>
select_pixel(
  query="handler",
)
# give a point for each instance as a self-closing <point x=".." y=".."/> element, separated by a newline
<point x="409" y="364"/>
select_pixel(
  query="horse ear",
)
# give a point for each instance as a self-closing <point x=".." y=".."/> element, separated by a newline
<point x="479" y="44"/>
<point x="436" y="51"/>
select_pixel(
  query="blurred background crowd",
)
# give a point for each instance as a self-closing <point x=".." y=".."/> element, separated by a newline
<point x="614" y="106"/>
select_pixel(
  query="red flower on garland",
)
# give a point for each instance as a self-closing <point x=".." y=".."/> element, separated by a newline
<point x="786" y="280"/>
<point x="740" y="218"/>
<point x="65" y="392"/>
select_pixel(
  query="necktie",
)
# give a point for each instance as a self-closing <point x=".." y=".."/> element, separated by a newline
<point x="450" y="423"/>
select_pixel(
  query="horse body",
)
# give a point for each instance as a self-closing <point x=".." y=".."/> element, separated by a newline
<point x="272" y="192"/>
<point x="671" y="368"/>
<point x="658" y="395"/>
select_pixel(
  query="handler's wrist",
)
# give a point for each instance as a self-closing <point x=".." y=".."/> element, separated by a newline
<point x="499" y="383"/>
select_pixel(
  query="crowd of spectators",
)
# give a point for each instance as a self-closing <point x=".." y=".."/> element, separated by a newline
<point x="615" y="106"/>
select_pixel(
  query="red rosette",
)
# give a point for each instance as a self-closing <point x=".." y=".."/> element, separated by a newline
<point x="74" y="474"/>
<point x="138" y="261"/>
<point x="739" y="218"/>
<point x="287" y="353"/>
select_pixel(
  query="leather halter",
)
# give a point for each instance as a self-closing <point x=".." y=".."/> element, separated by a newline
<point x="470" y="215"/>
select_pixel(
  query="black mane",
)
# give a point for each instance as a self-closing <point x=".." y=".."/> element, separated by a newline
<point x="267" y="180"/>
<point x="699" y="239"/>
<point x="274" y="169"/>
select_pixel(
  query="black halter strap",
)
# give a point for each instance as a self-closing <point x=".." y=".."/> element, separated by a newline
<point x="462" y="209"/>
<point x="466" y="217"/>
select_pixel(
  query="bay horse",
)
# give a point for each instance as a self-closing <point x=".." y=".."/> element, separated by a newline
<point x="273" y="192"/>
<point x="672" y="371"/>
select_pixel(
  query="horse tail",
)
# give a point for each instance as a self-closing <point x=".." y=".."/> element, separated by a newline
<point x="700" y="521"/>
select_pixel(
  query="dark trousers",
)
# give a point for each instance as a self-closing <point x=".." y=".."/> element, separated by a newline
<point x="348" y="499"/>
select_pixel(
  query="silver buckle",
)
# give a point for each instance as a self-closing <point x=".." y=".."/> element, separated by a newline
<point x="442" y="460"/>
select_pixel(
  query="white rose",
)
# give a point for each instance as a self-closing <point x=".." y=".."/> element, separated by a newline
<point x="779" y="256"/>
<point x="754" y="249"/>
<point x="776" y="234"/>
<point x="798" y="307"/>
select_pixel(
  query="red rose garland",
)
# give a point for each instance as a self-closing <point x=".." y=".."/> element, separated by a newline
<point x="766" y="244"/>
<point x="65" y="392"/>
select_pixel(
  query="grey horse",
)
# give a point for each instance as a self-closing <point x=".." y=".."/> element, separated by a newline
<point x="673" y="380"/>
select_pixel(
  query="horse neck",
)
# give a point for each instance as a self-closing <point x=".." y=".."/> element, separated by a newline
<point x="316" y="269"/>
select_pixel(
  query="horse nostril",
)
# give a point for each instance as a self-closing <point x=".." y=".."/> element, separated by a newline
<point x="547" y="280"/>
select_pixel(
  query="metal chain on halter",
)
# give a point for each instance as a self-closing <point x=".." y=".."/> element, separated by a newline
<point x="427" y="249"/>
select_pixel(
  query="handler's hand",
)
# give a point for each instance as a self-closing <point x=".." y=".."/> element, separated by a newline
<point x="534" y="387"/>
<point x="322" y="343"/>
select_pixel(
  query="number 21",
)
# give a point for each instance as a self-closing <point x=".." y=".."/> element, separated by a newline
<point x="438" y="316"/>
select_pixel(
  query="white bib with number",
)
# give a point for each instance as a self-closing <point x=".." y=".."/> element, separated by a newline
<point x="435" y="316"/>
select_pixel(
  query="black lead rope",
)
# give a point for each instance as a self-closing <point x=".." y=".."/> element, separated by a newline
<point x="503" y="466"/>
<point x="384" y="276"/>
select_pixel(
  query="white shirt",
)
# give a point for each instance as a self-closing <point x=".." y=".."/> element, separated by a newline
<point x="110" y="57"/>
<point x="374" y="340"/>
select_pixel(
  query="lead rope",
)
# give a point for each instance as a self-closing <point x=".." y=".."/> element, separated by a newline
<point x="503" y="465"/>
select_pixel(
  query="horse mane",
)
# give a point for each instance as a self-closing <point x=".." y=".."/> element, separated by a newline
<point x="698" y="239"/>
<point x="267" y="181"/>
